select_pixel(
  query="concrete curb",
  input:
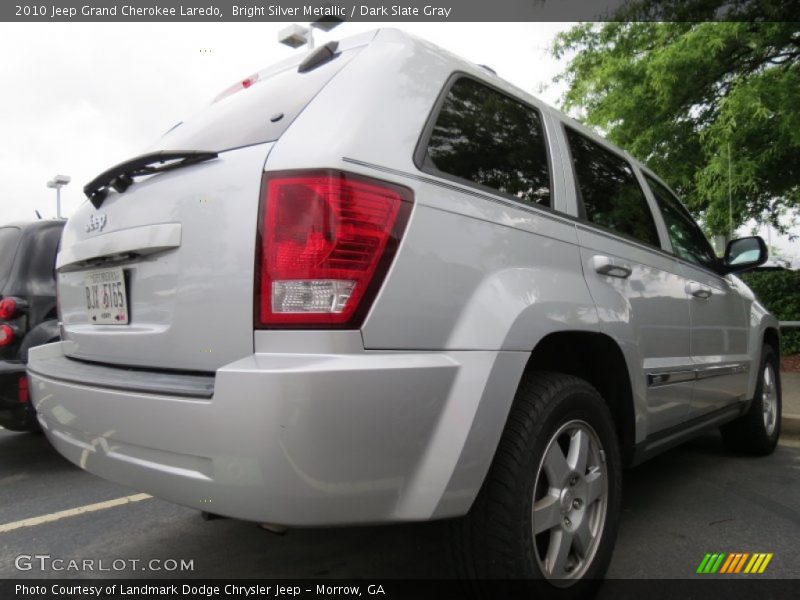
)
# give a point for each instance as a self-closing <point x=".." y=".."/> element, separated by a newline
<point x="790" y="424"/>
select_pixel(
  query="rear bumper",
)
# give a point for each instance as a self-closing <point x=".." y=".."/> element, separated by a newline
<point x="295" y="439"/>
<point x="14" y="414"/>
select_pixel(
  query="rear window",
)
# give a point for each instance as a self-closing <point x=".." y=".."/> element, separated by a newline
<point x="38" y="261"/>
<point x="9" y="240"/>
<point x="259" y="112"/>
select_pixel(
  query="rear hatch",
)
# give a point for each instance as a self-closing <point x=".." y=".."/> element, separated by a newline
<point x="160" y="275"/>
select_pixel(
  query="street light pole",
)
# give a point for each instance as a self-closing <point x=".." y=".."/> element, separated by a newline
<point x="730" y="197"/>
<point x="58" y="182"/>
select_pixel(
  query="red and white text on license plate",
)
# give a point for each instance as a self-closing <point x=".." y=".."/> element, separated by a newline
<point x="106" y="298"/>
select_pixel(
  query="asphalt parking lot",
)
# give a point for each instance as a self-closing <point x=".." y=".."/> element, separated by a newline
<point x="677" y="507"/>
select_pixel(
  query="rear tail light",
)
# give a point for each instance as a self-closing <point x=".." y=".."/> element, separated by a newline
<point x="22" y="389"/>
<point x="7" y="335"/>
<point x="326" y="240"/>
<point x="8" y="308"/>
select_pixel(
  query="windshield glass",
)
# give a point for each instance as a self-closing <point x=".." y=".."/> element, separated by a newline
<point x="9" y="240"/>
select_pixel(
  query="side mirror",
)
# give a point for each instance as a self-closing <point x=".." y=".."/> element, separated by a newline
<point x="744" y="254"/>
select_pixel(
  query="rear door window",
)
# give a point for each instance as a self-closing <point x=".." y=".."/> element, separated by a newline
<point x="9" y="241"/>
<point x="611" y="195"/>
<point x="484" y="137"/>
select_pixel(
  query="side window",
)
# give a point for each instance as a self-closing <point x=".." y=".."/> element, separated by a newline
<point x="490" y="139"/>
<point x="610" y="192"/>
<point x="687" y="239"/>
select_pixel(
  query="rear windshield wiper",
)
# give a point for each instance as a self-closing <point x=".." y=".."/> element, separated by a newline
<point x="122" y="175"/>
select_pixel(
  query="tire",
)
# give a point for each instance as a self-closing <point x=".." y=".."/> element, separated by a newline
<point x="757" y="431"/>
<point x="551" y="411"/>
<point x="23" y="421"/>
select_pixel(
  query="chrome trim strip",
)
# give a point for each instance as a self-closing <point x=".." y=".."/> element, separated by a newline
<point x="662" y="378"/>
<point x="716" y="371"/>
<point x="669" y="377"/>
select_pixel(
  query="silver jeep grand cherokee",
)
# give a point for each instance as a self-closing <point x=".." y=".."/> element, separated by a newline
<point x="377" y="283"/>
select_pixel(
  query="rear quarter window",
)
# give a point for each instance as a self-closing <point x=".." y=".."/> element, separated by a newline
<point x="484" y="137"/>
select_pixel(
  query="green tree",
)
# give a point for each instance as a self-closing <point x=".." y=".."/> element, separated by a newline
<point x="687" y="97"/>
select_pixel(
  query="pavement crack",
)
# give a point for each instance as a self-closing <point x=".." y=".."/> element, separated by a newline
<point x="777" y="508"/>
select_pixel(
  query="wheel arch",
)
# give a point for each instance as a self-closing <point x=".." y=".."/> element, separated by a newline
<point x="597" y="359"/>
<point x="772" y="338"/>
<point x="592" y="356"/>
<point x="764" y="330"/>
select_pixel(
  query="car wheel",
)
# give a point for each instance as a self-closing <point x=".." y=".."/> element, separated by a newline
<point x="549" y="507"/>
<point x="757" y="431"/>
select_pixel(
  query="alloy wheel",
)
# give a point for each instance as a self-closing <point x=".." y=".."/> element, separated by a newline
<point x="570" y="501"/>
<point x="769" y="399"/>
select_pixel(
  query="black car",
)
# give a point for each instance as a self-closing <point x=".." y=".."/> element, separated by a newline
<point x="27" y="311"/>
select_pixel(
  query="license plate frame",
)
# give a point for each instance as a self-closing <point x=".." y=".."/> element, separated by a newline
<point x="106" y="297"/>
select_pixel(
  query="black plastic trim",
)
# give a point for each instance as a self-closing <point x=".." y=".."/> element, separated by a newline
<point x="120" y="177"/>
<point x="674" y="436"/>
<point x="84" y="373"/>
<point x="320" y="56"/>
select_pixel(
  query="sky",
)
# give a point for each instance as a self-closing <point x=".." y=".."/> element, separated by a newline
<point x="80" y="97"/>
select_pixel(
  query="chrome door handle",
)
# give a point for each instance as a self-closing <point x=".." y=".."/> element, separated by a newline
<point x="698" y="290"/>
<point x="613" y="268"/>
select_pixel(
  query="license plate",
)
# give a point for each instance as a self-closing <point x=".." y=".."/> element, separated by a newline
<point x="106" y="297"/>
